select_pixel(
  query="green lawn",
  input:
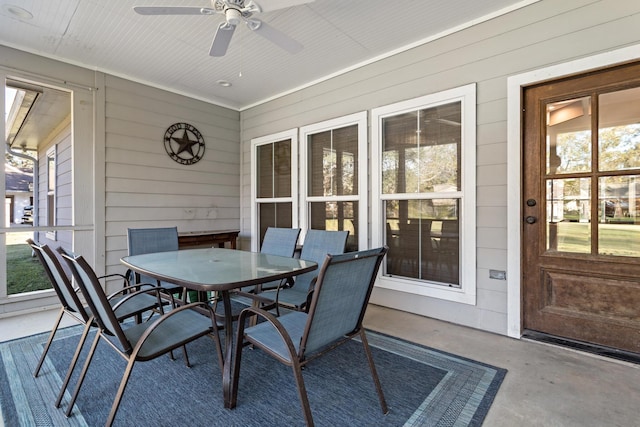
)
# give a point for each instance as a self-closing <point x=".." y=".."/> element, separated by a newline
<point x="615" y="239"/>
<point x="24" y="271"/>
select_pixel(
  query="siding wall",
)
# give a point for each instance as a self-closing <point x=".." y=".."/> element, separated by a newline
<point x="542" y="34"/>
<point x="122" y="163"/>
<point x="144" y="187"/>
<point x="61" y="140"/>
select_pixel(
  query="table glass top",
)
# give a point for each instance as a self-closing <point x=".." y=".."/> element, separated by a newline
<point x="216" y="269"/>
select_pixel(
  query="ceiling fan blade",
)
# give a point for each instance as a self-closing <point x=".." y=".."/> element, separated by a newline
<point x="173" y="10"/>
<point x="222" y="39"/>
<point x="278" y="38"/>
<point x="270" y="5"/>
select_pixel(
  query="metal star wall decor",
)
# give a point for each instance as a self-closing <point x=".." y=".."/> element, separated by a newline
<point x="186" y="147"/>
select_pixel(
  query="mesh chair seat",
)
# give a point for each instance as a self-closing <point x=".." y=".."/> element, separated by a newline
<point x="266" y="336"/>
<point x="175" y="331"/>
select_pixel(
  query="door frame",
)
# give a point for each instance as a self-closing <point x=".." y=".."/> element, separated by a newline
<point x="514" y="163"/>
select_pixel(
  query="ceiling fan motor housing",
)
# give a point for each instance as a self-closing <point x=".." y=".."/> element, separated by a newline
<point x="234" y="17"/>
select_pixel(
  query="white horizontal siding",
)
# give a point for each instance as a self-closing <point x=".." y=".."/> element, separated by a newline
<point x="144" y="187"/>
<point x="544" y="33"/>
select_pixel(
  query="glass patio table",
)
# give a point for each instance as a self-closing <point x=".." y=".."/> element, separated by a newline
<point x="218" y="270"/>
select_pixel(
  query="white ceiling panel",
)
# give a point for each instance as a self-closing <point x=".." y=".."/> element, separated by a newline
<point x="172" y="52"/>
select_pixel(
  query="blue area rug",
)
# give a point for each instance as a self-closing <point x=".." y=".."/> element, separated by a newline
<point x="423" y="387"/>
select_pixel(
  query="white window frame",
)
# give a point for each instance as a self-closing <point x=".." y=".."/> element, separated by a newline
<point x="51" y="156"/>
<point x="292" y="135"/>
<point x="466" y="293"/>
<point x="359" y="119"/>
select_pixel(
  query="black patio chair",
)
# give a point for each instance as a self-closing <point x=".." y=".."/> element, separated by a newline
<point x="277" y="241"/>
<point x="335" y="315"/>
<point x="143" y="341"/>
<point x="317" y="244"/>
<point x="147" y="240"/>
<point x="72" y="305"/>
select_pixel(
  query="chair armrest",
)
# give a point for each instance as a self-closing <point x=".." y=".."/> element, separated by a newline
<point x="284" y="286"/>
<point x="128" y="295"/>
<point x="128" y="289"/>
<point x="273" y="320"/>
<point x="125" y="279"/>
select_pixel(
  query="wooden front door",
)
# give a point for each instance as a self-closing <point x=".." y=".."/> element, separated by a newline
<point x="581" y="208"/>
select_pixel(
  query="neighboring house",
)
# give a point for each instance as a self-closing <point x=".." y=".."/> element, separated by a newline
<point x="18" y="195"/>
<point x="122" y="176"/>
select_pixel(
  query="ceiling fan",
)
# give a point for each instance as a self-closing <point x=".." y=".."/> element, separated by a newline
<point x="235" y="12"/>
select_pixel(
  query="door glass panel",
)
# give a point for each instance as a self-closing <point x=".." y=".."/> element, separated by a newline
<point x="619" y="131"/>
<point x="618" y="218"/>
<point x="569" y="136"/>
<point x="568" y="213"/>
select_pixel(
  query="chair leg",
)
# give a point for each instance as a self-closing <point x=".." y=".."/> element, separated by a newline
<point x="235" y="374"/>
<point x="72" y="365"/>
<point x="374" y="373"/>
<point x="120" y="393"/>
<point x="186" y="356"/>
<point x="85" y="368"/>
<point x="49" y="341"/>
<point x="302" y="392"/>
<point x="216" y="339"/>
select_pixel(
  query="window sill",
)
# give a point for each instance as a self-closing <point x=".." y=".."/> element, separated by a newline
<point x="463" y="295"/>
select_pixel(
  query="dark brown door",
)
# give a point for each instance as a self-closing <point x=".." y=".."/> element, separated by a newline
<point x="581" y="208"/>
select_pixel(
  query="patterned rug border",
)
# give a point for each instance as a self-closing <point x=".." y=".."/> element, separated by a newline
<point x="462" y="398"/>
<point x="477" y="381"/>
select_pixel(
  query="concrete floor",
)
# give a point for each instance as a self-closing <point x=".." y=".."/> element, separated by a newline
<point x="545" y="386"/>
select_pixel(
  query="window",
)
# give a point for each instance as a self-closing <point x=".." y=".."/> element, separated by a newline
<point x="274" y="189"/>
<point x="334" y="177"/>
<point x="423" y="155"/>
<point x="51" y="191"/>
<point x="42" y="119"/>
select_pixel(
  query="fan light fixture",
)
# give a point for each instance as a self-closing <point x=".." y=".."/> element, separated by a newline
<point x="18" y="12"/>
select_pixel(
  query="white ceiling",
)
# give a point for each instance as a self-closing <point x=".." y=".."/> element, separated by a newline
<point x="172" y="52"/>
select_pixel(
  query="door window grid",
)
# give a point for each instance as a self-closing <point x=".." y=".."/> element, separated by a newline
<point x="605" y="169"/>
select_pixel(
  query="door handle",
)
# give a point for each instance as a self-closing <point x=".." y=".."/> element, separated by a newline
<point x="531" y="219"/>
